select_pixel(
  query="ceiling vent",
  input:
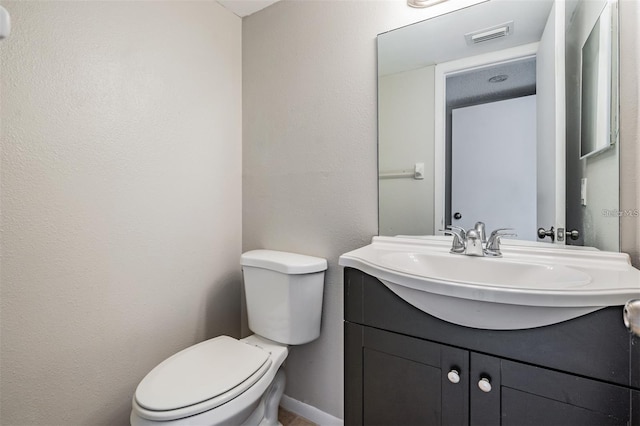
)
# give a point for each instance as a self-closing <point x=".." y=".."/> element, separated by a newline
<point x="491" y="33"/>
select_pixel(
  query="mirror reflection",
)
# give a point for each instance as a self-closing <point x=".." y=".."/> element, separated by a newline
<point x="480" y="119"/>
<point x="596" y="87"/>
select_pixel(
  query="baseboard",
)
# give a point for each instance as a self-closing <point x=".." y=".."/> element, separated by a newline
<point x="308" y="412"/>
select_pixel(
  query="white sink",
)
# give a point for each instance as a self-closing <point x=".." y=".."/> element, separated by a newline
<point x="532" y="285"/>
<point x="485" y="271"/>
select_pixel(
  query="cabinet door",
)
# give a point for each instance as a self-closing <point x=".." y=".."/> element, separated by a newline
<point x="400" y="380"/>
<point x="521" y="394"/>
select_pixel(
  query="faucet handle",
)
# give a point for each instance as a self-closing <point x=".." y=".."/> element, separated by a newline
<point x="462" y="231"/>
<point x="493" y="244"/>
<point x="503" y="232"/>
<point x="459" y="238"/>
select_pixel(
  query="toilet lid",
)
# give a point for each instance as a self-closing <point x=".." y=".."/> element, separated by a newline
<point x="199" y="373"/>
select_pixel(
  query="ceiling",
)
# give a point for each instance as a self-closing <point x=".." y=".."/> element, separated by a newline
<point x="244" y="8"/>
<point x="473" y="87"/>
<point x="442" y="39"/>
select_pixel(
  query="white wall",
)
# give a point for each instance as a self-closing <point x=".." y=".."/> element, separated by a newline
<point x="309" y="164"/>
<point x="600" y="229"/>
<point x="121" y="199"/>
<point x="601" y="171"/>
<point x="630" y="127"/>
<point x="406" y="136"/>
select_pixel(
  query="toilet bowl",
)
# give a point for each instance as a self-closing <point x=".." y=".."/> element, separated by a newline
<point x="225" y="381"/>
<point x="173" y="400"/>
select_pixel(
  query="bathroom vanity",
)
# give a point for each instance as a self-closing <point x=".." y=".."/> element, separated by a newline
<point x="401" y="366"/>
<point x="404" y="366"/>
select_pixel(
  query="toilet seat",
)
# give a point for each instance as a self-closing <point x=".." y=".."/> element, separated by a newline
<point x="200" y="378"/>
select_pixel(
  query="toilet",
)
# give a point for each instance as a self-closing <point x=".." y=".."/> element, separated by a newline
<point x="226" y="381"/>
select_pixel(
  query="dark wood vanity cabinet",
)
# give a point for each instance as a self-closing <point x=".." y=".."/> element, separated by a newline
<point x="402" y="380"/>
<point x="398" y="360"/>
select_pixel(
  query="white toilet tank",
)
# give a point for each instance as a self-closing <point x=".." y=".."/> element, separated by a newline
<point x="284" y="295"/>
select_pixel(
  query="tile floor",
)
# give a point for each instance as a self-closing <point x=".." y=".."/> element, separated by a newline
<point x="287" y="418"/>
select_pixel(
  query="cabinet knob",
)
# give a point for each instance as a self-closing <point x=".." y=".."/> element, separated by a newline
<point x="453" y="376"/>
<point x="484" y="384"/>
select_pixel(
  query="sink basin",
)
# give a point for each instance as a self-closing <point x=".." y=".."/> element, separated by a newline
<point x="532" y="285"/>
<point x="485" y="271"/>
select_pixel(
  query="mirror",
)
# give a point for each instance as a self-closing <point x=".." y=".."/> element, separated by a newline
<point x="487" y="62"/>
<point x="596" y="87"/>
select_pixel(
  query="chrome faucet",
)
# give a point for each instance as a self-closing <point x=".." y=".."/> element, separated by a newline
<point x="479" y="227"/>
<point x="473" y="246"/>
<point x="474" y="243"/>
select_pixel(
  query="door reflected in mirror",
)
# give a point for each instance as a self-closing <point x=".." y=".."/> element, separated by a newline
<point x="476" y="128"/>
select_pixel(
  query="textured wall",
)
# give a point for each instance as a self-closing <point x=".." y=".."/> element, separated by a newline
<point x="121" y="199"/>
<point x="310" y="155"/>
<point x="630" y="128"/>
<point x="310" y="152"/>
